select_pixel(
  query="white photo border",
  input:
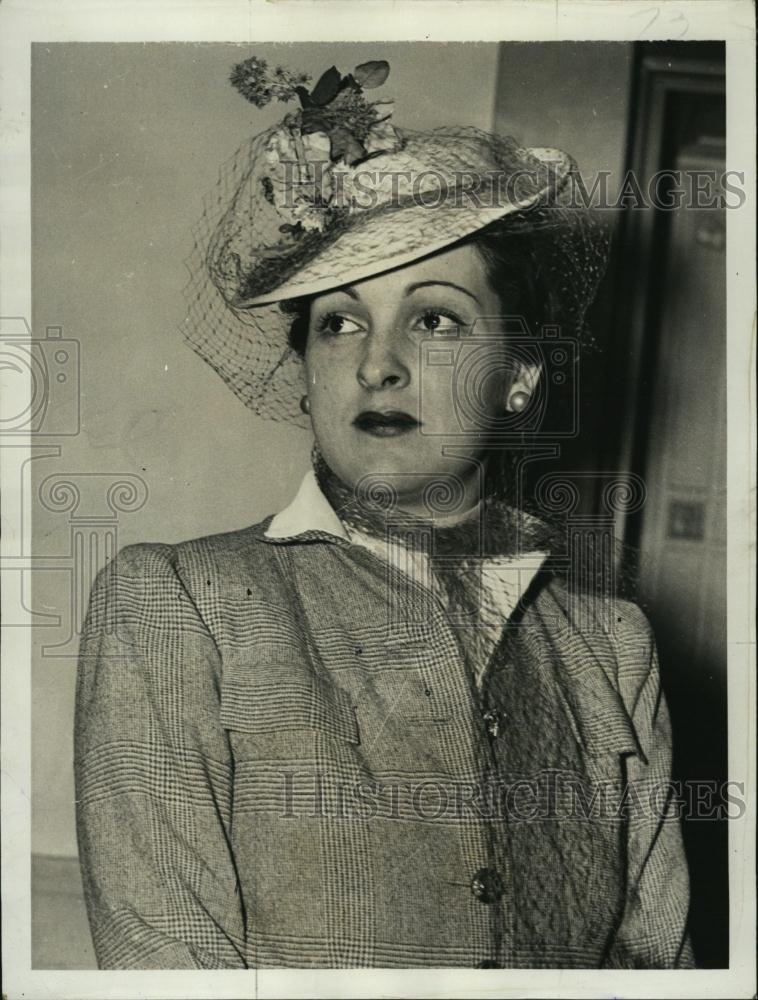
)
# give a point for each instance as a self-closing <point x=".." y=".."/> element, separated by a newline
<point x="365" y="20"/>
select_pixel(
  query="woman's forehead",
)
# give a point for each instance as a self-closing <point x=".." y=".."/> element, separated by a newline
<point x="460" y="268"/>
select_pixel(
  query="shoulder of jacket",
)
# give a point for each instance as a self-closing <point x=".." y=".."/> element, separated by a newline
<point x="608" y="648"/>
<point x="601" y="614"/>
<point x="165" y="559"/>
<point x="214" y="564"/>
<point x="631" y="638"/>
<point x="630" y="626"/>
<point x="612" y="631"/>
<point x="214" y="573"/>
<point x="225" y="544"/>
<point x="142" y="560"/>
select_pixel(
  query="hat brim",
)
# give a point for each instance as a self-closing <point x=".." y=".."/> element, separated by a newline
<point x="381" y="241"/>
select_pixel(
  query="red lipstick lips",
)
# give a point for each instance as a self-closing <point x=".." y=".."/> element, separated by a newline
<point x="386" y="423"/>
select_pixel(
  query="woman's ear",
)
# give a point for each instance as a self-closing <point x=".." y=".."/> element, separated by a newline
<point x="523" y="387"/>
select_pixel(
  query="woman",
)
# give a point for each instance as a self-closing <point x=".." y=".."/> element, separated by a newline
<point x="380" y="728"/>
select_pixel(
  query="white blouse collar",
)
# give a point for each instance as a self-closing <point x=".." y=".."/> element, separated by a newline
<point x="308" y="511"/>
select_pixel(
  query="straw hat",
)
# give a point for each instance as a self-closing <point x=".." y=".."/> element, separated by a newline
<point x="336" y="193"/>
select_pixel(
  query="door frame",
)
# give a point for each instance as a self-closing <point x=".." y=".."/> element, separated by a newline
<point x="660" y="72"/>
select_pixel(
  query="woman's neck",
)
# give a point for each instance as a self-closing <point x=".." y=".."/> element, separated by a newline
<point x="487" y="524"/>
<point x="451" y="509"/>
<point x="437" y="505"/>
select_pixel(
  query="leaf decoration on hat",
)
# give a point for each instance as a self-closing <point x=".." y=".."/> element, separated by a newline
<point x="350" y="83"/>
<point x="372" y="74"/>
<point x="327" y="87"/>
<point x="305" y="97"/>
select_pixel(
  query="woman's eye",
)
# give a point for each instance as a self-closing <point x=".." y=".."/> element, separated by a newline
<point x="435" y="320"/>
<point x="335" y="323"/>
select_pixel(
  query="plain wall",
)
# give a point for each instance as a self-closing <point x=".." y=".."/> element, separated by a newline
<point x="126" y="141"/>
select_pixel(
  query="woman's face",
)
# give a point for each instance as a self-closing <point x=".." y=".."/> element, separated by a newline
<point x="383" y="396"/>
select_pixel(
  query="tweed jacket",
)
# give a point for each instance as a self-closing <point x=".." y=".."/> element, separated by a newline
<point x="282" y="761"/>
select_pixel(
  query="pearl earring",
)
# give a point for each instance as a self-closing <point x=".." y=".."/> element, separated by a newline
<point x="305" y="404"/>
<point x="518" y="401"/>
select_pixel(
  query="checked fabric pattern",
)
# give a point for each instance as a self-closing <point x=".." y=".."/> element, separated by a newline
<point x="280" y="763"/>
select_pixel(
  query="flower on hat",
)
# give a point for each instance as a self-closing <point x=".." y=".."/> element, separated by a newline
<point x="253" y="81"/>
<point x="335" y="129"/>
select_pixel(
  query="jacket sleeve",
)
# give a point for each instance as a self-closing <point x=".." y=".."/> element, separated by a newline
<point x="653" y="932"/>
<point x="153" y="773"/>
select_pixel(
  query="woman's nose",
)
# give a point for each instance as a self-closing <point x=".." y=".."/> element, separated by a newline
<point x="381" y="367"/>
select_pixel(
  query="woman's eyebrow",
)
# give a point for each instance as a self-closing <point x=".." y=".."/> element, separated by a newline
<point x="348" y="290"/>
<point x="450" y="284"/>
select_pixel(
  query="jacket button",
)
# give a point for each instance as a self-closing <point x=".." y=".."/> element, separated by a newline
<point x="493" y="720"/>
<point x="487" y="885"/>
<point x="489" y="963"/>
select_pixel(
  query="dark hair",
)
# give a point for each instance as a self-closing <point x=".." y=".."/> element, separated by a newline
<point x="518" y="271"/>
<point x="300" y="310"/>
